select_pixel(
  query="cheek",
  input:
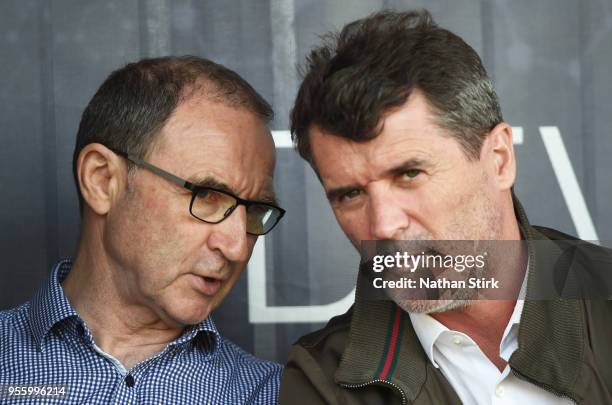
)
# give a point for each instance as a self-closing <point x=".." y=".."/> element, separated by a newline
<point x="464" y="209"/>
<point x="355" y="225"/>
<point x="429" y="208"/>
<point x="177" y="246"/>
<point x="160" y="237"/>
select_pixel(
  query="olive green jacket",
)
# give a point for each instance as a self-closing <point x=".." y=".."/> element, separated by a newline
<point x="371" y="354"/>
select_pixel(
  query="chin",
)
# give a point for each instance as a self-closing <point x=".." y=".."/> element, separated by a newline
<point x="191" y="312"/>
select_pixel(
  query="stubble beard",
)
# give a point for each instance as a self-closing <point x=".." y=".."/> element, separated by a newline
<point x="486" y="222"/>
<point x="433" y="306"/>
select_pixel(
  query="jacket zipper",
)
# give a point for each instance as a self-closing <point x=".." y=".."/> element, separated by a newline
<point x="543" y="386"/>
<point x="384" y="382"/>
<point x="516" y="373"/>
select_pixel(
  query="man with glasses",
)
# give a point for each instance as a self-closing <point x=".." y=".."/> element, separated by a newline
<point x="173" y="165"/>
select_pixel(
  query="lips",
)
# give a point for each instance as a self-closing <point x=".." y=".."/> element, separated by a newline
<point x="207" y="285"/>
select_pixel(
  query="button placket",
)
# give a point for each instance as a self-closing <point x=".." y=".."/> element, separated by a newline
<point x="129" y="380"/>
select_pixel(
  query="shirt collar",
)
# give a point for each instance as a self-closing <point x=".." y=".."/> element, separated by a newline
<point x="429" y="329"/>
<point x="51" y="306"/>
<point x="509" y="341"/>
<point x="205" y="333"/>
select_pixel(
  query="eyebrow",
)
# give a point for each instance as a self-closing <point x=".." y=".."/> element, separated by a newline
<point x="334" y="193"/>
<point x="267" y="197"/>
<point x="406" y="165"/>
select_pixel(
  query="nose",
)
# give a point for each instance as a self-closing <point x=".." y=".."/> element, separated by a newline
<point x="388" y="217"/>
<point x="230" y="237"/>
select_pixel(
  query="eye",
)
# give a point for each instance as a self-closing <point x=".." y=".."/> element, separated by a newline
<point x="349" y="195"/>
<point x="410" y="174"/>
<point x="208" y="196"/>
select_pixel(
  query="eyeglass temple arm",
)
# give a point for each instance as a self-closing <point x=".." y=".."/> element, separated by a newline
<point x="182" y="182"/>
<point x="156" y="170"/>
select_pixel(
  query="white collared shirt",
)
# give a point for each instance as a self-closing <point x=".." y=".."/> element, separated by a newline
<point x="475" y="379"/>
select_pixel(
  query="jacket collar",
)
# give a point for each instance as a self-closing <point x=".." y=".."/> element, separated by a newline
<point x="550" y="331"/>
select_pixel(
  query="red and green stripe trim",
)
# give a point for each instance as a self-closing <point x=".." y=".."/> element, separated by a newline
<point x="388" y="361"/>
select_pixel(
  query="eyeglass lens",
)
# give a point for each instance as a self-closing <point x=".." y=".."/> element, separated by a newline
<point x="213" y="206"/>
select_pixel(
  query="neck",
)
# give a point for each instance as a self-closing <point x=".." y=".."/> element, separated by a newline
<point x="121" y="326"/>
<point x="486" y="320"/>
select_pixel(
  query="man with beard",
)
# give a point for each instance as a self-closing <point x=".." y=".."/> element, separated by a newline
<point x="402" y="126"/>
<point x="173" y="166"/>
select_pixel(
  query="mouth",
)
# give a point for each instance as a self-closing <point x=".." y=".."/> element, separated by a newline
<point x="208" y="286"/>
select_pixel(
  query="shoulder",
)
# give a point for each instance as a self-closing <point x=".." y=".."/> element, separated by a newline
<point x="585" y="255"/>
<point x="258" y="379"/>
<point x="554" y="234"/>
<point x="312" y="363"/>
<point x="331" y="337"/>
<point x="247" y="363"/>
<point x="14" y="321"/>
<point x="590" y="262"/>
<point x="323" y="348"/>
<point x="16" y="341"/>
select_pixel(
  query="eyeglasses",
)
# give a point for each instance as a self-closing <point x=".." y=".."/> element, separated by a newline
<point x="212" y="206"/>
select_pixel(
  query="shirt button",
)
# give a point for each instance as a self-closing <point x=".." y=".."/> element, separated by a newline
<point x="80" y="329"/>
<point x="129" y="380"/>
<point x="499" y="391"/>
<point x="457" y="340"/>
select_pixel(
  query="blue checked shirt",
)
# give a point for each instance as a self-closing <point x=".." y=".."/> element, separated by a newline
<point x="44" y="343"/>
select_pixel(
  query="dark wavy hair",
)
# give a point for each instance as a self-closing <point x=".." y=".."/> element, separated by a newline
<point x="373" y="64"/>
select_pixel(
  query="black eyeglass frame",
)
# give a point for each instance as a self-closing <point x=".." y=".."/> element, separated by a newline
<point x="195" y="190"/>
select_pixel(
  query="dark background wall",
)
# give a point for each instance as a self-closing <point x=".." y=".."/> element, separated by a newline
<point x="550" y="61"/>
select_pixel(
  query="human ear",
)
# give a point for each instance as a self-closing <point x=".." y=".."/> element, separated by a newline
<point x="499" y="150"/>
<point x="101" y="175"/>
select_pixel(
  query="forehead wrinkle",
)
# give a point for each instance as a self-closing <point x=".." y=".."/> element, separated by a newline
<point x="346" y="165"/>
<point x="406" y="134"/>
<point x="382" y="155"/>
<point x="390" y="157"/>
<point x="269" y="198"/>
<point x="214" y="145"/>
<point x="210" y="181"/>
<point x="267" y="194"/>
